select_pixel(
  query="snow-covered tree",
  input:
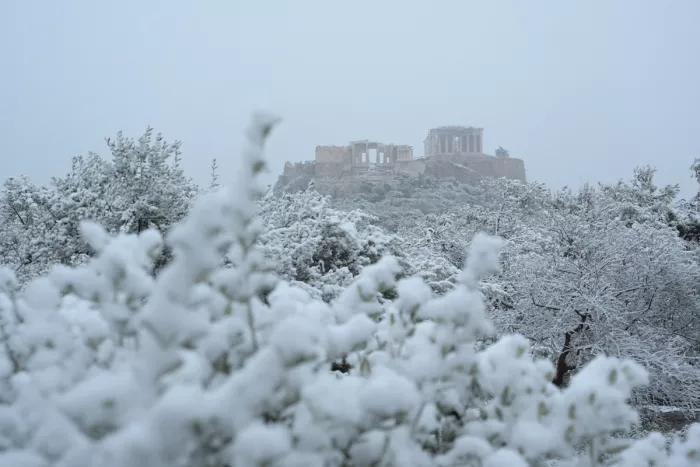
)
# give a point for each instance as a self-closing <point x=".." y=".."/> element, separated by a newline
<point x="439" y="241"/>
<point x="204" y="365"/>
<point x="501" y="152"/>
<point x="605" y="273"/>
<point x="411" y="198"/>
<point x="319" y="246"/>
<point x="688" y="211"/>
<point x="596" y="271"/>
<point x="142" y="186"/>
<point x="641" y="200"/>
<point x="622" y="291"/>
<point x="152" y="188"/>
<point x="31" y="235"/>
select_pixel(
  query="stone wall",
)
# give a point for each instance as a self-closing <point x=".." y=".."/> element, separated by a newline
<point x="338" y="179"/>
<point x="488" y="166"/>
<point x="299" y="168"/>
<point x="330" y="154"/>
<point x="413" y="168"/>
<point x="334" y="171"/>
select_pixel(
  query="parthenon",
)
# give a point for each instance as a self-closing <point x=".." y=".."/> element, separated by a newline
<point x="454" y="140"/>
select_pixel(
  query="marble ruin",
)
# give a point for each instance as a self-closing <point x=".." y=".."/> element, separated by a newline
<point x="449" y="152"/>
<point x="454" y="140"/>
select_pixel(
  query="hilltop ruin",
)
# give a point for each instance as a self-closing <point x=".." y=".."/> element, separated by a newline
<point x="449" y="152"/>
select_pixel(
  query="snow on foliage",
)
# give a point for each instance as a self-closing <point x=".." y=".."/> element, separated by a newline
<point x="612" y="285"/>
<point x="142" y="186"/>
<point x="210" y="365"/>
<point x="317" y="246"/>
<point x="598" y="271"/>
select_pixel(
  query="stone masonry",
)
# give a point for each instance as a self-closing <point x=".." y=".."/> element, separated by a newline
<point x="450" y="152"/>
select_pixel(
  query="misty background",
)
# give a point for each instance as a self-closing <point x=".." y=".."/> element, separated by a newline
<point x="581" y="91"/>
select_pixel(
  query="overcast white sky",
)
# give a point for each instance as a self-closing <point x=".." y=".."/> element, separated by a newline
<point x="582" y="90"/>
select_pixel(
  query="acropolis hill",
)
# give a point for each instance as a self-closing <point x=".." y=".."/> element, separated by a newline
<point x="450" y="152"/>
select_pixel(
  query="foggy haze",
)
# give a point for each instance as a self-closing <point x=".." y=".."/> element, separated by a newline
<point x="581" y="91"/>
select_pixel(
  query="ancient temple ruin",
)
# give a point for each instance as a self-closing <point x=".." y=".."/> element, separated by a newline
<point x="448" y="140"/>
<point x="364" y="152"/>
<point x="455" y="152"/>
<point x="370" y="152"/>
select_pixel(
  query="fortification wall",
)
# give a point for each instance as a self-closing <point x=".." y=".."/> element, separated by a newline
<point x="340" y="179"/>
<point x="413" y="167"/>
<point x="329" y="170"/>
<point x="330" y="154"/>
<point x="488" y="166"/>
<point x="299" y="169"/>
<point x="514" y="168"/>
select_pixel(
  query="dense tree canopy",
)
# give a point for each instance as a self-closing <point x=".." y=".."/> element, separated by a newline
<point x="509" y="330"/>
<point x="600" y="270"/>
<point x="318" y="246"/>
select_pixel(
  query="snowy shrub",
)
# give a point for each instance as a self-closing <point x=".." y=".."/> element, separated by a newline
<point x="316" y="246"/>
<point x="203" y="365"/>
